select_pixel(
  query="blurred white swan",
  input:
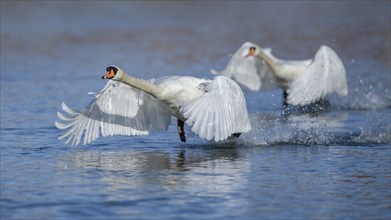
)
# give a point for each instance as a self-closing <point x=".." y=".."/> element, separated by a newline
<point x="215" y="109"/>
<point x="304" y="82"/>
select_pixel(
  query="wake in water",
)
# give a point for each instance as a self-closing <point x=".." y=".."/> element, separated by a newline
<point x="361" y="118"/>
<point x="333" y="128"/>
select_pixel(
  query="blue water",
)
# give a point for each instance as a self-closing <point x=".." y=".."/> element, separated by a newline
<point x="334" y="165"/>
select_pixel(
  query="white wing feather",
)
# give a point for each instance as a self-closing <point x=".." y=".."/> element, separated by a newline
<point x="220" y="112"/>
<point x="326" y="74"/>
<point x="117" y="110"/>
<point x="250" y="72"/>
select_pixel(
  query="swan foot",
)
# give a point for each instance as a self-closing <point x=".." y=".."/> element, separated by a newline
<point x="181" y="131"/>
<point x="237" y="135"/>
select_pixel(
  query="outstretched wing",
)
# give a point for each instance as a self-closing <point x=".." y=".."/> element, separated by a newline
<point x="326" y="74"/>
<point x="117" y="110"/>
<point x="249" y="72"/>
<point x="220" y="112"/>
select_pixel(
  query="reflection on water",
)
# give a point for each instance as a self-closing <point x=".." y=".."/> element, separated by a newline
<point x="133" y="169"/>
<point x="250" y="181"/>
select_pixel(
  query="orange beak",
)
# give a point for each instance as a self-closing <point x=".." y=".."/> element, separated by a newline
<point x="110" y="74"/>
<point x="251" y="52"/>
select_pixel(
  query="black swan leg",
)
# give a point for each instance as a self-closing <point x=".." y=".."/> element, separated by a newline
<point x="285" y="105"/>
<point x="285" y="99"/>
<point x="181" y="131"/>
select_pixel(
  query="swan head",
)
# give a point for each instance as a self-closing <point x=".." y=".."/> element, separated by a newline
<point x="113" y="72"/>
<point x="253" y="51"/>
<point x="248" y="49"/>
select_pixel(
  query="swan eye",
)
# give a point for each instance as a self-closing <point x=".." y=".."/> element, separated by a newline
<point x="115" y="70"/>
<point x="252" y="50"/>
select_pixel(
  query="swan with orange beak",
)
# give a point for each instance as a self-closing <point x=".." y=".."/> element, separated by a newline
<point x="303" y="81"/>
<point x="214" y="109"/>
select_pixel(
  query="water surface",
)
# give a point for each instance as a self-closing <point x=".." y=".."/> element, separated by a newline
<point x="332" y="165"/>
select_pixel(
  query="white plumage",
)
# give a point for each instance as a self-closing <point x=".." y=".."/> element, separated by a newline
<point x="215" y="109"/>
<point x="219" y="112"/>
<point x="304" y="81"/>
<point x="248" y="71"/>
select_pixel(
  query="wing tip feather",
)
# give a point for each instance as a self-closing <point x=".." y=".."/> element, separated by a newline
<point x="68" y="110"/>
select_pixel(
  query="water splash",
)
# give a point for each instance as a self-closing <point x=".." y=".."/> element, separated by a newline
<point x="333" y="128"/>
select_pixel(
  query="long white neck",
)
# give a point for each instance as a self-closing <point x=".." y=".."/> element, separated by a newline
<point x="274" y="66"/>
<point x="140" y="84"/>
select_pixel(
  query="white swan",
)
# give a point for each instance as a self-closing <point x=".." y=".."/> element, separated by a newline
<point x="304" y="82"/>
<point x="215" y="109"/>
